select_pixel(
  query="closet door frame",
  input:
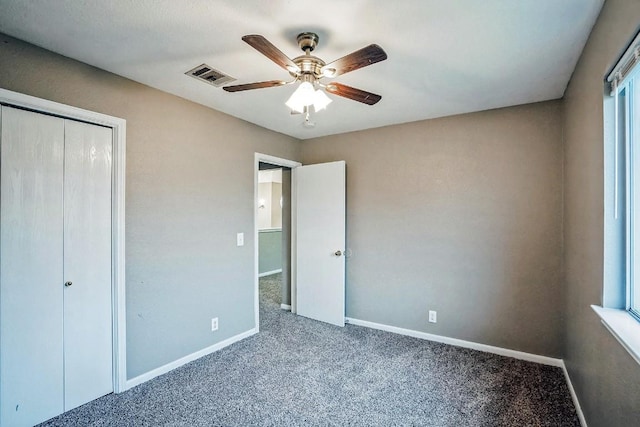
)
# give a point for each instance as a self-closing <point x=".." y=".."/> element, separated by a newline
<point x="118" y="126"/>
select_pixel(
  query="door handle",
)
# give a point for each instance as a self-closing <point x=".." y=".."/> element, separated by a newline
<point x="67" y="284"/>
<point x="338" y="253"/>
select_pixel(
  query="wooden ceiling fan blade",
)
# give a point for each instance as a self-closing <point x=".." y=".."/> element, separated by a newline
<point x="257" y="85"/>
<point x="266" y="48"/>
<point x="353" y="93"/>
<point x="355" y="60"/>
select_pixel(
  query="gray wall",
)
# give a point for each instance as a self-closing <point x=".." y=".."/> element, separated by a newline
<point x="286" y="236"/>
<point x="189" y="191"/>
<point x="606" y="378"/>
<point x="276" y="209"/>
<point x="270" y="250"/>
<point x="461" y="215"/>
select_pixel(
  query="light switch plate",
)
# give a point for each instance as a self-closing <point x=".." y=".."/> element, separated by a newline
<point x="240" y="239"/>
<point x="433" y="316"/>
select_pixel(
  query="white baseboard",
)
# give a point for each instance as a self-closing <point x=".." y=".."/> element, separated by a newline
<point x="574" y="396"/>
<point x="544" y="360"/>
<point x="269" y="273"/>
<point x="285" y="307"/>
<point x="186" y="359"/>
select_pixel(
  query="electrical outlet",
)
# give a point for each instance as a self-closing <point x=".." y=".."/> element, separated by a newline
<point x="214" y="324"/>
<point x="433" y="316"/>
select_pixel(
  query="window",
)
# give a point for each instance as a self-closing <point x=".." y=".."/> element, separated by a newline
<point x="629" y="122"/>
<point x="625" y="87"/>
<point x="620" y="311"/>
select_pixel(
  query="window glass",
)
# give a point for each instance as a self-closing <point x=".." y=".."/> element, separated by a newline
<point x="628" y="130"/>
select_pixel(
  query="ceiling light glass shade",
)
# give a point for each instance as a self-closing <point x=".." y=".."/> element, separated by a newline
<point x="305" y="95"/>
<point x="302" y="97"/>
<point x="320" y="100"/>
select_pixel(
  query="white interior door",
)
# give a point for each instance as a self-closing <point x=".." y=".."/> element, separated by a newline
<point x="88" y="339"/>
<point x="320" y="241"/>
<point x="31" y="276"/>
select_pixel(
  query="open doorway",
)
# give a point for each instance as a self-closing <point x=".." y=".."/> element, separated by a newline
<point x="273" y="235"/>
<point x="273" y="246"/>
<point x="313" y="282"/>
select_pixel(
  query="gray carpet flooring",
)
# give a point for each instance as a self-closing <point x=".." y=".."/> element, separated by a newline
<point x="299" y="372"/>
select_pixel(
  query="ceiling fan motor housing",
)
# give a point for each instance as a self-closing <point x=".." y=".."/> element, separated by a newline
<point x="309" y="65"/>
<point x="308" y="41"/>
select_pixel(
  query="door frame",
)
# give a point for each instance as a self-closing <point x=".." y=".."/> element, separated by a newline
<point x="118" y="126"/>
<point x="266" y="158"/>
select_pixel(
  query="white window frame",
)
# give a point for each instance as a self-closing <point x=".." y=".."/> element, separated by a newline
<point x="632" y="185"/>
<point x="621" y="144"/>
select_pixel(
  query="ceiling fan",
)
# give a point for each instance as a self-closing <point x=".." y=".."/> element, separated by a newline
<point x="309" y="70"/>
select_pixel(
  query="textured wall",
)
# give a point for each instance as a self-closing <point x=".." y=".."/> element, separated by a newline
<point x="270" y="250"/>
<point x="286" y="236"/>
<point x="606" y="378"/>
<point x="461" y="215"/>
<point x="276" y="207"/>
<point x="264" y="212"/>
<point x="189" y="190"/>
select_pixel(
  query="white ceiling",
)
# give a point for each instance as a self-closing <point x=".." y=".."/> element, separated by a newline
<point x="444" y="57"/>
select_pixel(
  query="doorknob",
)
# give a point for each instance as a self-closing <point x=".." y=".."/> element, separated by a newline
<point x="67" y="284"/>
<point x="338" y="253"/>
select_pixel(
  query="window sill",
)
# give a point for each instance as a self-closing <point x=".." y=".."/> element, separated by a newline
<point x="623" y="326"/>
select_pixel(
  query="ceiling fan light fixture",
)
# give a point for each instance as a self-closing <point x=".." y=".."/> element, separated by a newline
<point x="302" y="97"/>
<point x="305" y="95"/>
<point x="329" y="72"/>
<point x="320" y="100"/>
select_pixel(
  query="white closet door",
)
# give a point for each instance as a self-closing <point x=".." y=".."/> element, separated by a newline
<point x="31" y="276"/>
<point x="87" y="263"/>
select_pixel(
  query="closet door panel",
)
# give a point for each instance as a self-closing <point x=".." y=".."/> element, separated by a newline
<point x="31" y="262"/>
<point x="87" y="263"/>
